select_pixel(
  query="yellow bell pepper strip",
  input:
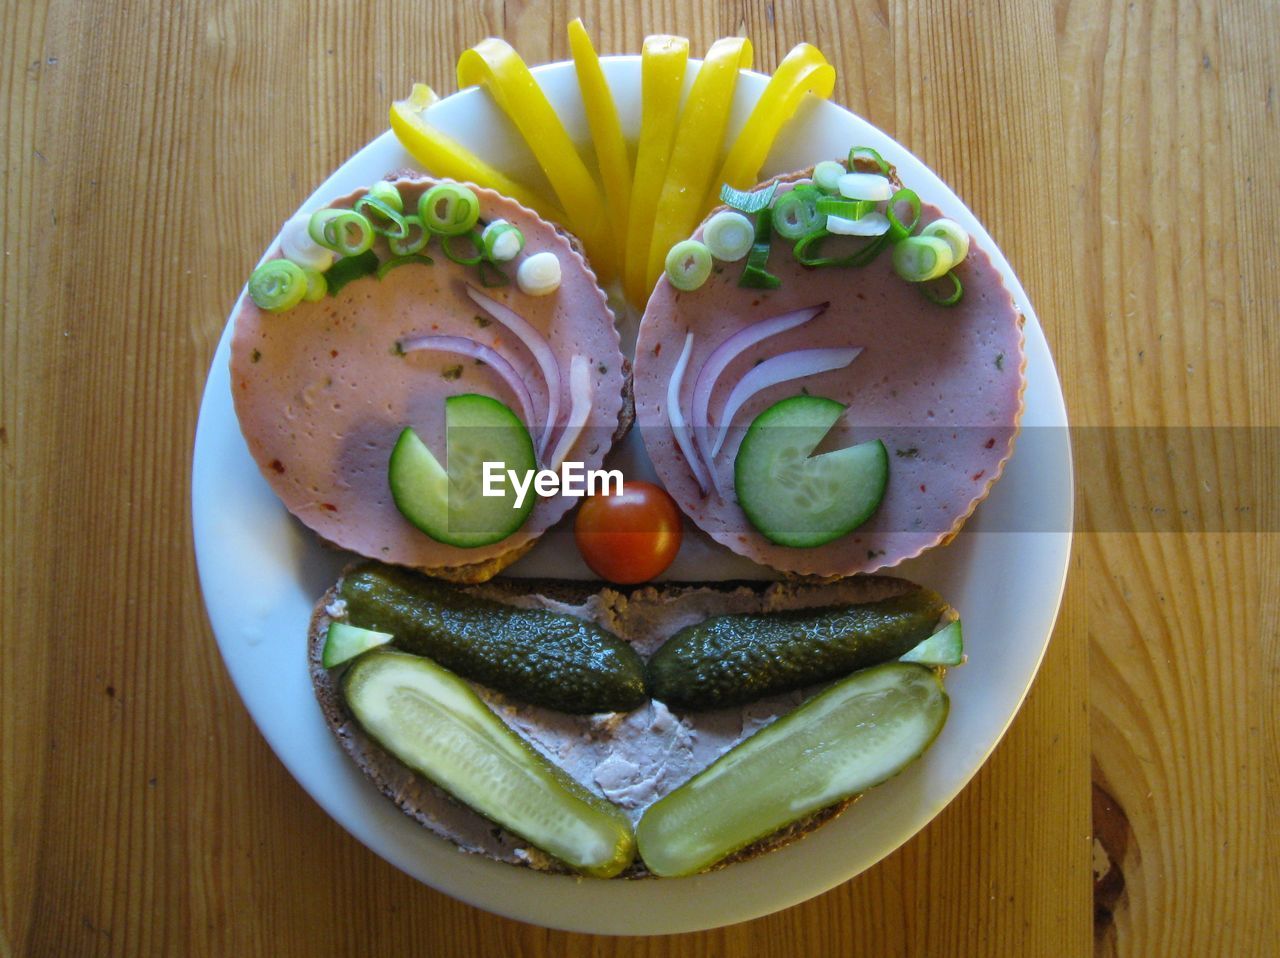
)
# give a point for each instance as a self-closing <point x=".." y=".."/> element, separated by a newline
<point x="606" y="133"/>
<point x="697" y="144"/>
<point x="803" y="70"/>
<point x="443" y="156"/>
<point x="662" y="84"/>
<point x="494" y="64"/>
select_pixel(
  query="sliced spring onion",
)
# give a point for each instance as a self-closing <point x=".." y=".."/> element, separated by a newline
<point x="808" y="251"/>
<point x="475" y="250"/>
<point x="414" y="240"/>
<point x="728" y="235"/>
<point x="491" y="277"/>
<point x="795" y="214"/>
<point x="448" y="158"/>
<point x="827" y="175"/>
<point x="899" y="230"/>
<point x="662" y="68"/>
<point x="317" y="286"/>
<point x="848" y="209"/>
<point x="866" y="154"/>
<point x="345" y="232"/>
<point x="950" y="282"/>
<point x="449" y="209"/>
<point x="798" y="364"/>
<point x="722" y="356"/>
<point x="579" y="409"/>
<point x="918" y="259"/>
<point x="396" y="261"/>
<point x="745" y="201"/>
<point x="865" y="186"/>
<point x="539" y="274"/>
<point x="755" y="275"/>
<point x="538" y="347"/>
<point x="688" y="265"/>
<point x="502" y="241"/>
<point x="490" y="357"/>
<point x="387" y="194"/>
<point x="296" y="244"/>
<point x="871" y="224"/>
<point x="349" y="268"/>
<point x="381" y="216"/>
<point x="680" y="428"/>
<point x="278" y="285"/>
<point x="949" y="230"/>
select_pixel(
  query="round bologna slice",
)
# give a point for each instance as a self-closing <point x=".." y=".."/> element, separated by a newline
<point x="324" y="390"/>
<point x="941" y="387"/>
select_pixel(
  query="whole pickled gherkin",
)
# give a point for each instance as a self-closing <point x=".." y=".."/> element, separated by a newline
<point x="734" y="659"/>
<point x="534" y="655"/>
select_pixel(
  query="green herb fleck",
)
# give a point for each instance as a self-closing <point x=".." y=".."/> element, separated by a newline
<point x="912" y="453"/>
<point x="1000" y="361"/>
<point x="452" y="373"/>
<point x="482" y="321"/>
<point x="255" y="356"/>
<point x="397" y="349"/>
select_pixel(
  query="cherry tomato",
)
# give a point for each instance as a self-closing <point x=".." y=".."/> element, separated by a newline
<point x="629" y="538"/>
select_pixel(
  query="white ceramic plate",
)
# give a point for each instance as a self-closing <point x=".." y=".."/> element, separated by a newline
<point x="261" y="571"/>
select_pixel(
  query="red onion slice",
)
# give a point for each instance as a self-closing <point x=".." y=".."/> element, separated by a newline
<point x="474" y="350"/>
<point x="780" y="369"/>
<point x="727" y="352"/>
<point x="678" y="426"/>
<point x="579" y="409"/>
<point x="537" y="345"/>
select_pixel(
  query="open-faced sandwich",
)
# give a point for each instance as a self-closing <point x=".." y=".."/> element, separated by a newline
<point x="828" y="379"/>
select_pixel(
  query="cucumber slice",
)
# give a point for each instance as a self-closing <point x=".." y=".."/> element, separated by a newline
<point x="944" y="647"/>
<point x="860" y="732"/>
<point x="449" y="505"/>
<point x="795" y="498"/>
<point x="433" y="722"/>
<point x="344" y="642"/>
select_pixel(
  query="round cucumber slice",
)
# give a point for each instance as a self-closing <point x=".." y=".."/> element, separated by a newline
<point x="860" y="732"/>
<point x="795" y="498"/>
<point x="450" y="505"/>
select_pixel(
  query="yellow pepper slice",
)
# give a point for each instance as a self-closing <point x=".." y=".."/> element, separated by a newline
<point x="697" y="143"/>
<point x="443" y="156"/>
<point x="606" y="133"/>
<point x="803" y="70"/>
<point x="662" y="67"/>
<point x="494" y="64"/>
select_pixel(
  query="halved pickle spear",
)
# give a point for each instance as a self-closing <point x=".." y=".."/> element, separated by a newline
<point x="860" y="732"/>
<point x="433" y="722"/>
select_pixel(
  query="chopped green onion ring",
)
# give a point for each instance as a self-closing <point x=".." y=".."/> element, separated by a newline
<point x="345" y="232"/>
<point x="688" y="265"/>
<point x="795" y="215"/>
<point x="899" y="230"/>
<point x="808" y="249"/>
<point x="414" y="240"/>
<point x="389" y="265"/>
<point x="826" y="175"/>
<point x="473" y="237"/>
<point x="502" y="242"/>
<point x="386" y="193"/>
<point x="953" y="233"/>
<point x="747" y="201"/>
<point x="449" y="209"/>
<point x="317" y="286"/>
<point x="950" y="298"/>
<point x="867" y="155"/>
<point x="756" y="277"/>
<point x="920" y="258"/>
<point x="729" y="235"/>
<point x="350" y="268"/>
<point x="756" y="274"/>
<point x="848" y="209"/>
<point x="278" y="285"/>
<point x="385" y="220"/>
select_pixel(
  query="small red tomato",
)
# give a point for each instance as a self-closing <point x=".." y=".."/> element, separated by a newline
<point x="630" y="537"/>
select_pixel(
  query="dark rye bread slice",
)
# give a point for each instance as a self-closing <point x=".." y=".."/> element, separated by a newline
<point x="438" y="811"/>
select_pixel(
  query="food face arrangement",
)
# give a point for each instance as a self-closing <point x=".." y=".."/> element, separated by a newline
<point x="827" y="379"/>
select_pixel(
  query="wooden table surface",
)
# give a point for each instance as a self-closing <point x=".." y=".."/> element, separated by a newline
<point x="1123" y="154"/>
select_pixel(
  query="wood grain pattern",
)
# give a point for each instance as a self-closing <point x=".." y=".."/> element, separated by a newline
<point x="1122" y="154"/>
